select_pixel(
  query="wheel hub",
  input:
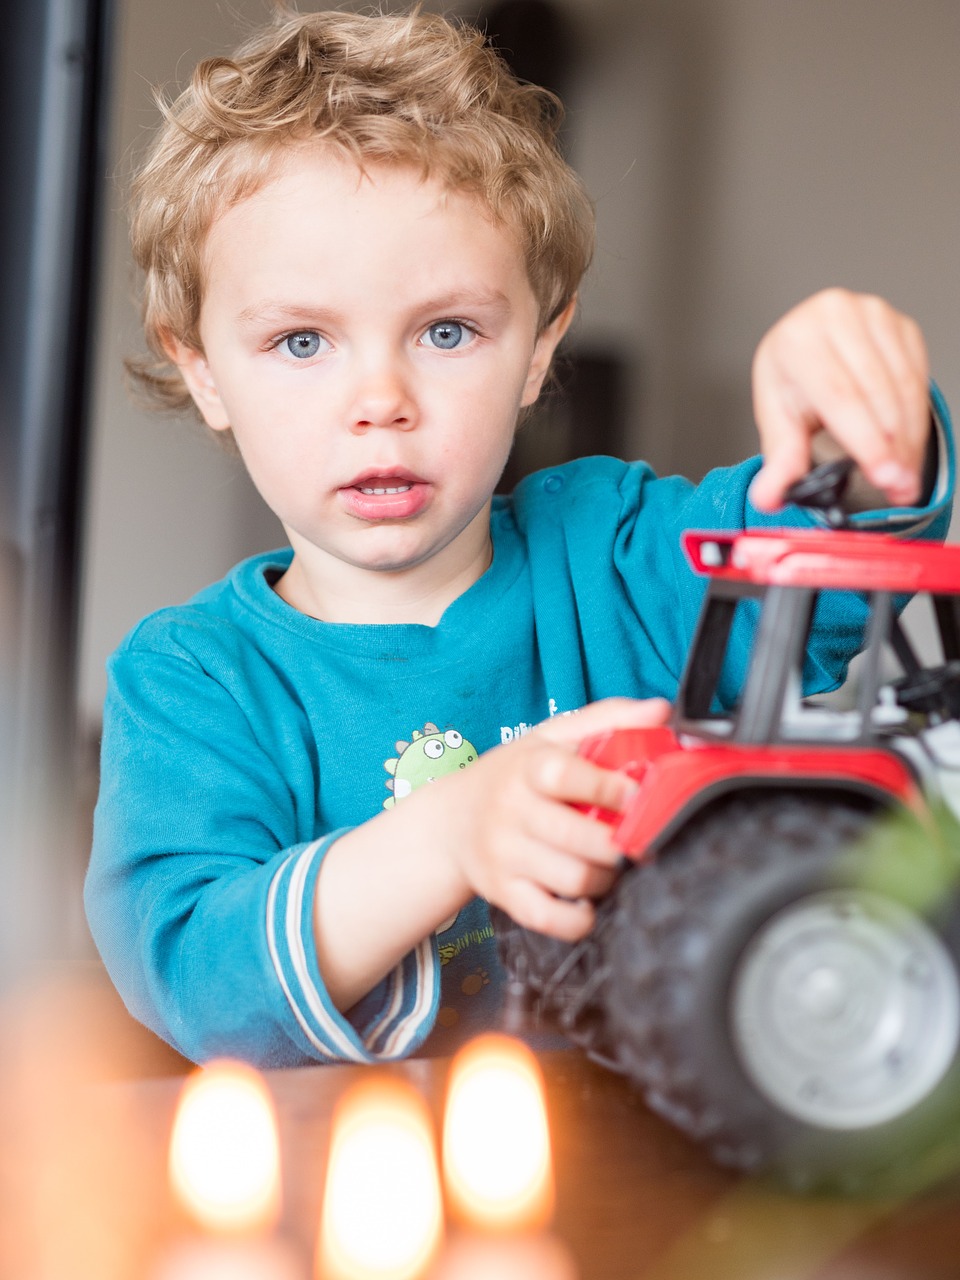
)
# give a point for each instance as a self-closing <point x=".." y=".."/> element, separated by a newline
<point x="845" y="1009"/>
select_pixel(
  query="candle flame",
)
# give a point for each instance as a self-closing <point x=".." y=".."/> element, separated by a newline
<point x="224" y="1151"/>
<point x="382" y="1215"/>
<point x="497" y="1162"/>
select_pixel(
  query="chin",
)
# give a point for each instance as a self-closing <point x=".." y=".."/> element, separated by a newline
<point x="392" y="560"/>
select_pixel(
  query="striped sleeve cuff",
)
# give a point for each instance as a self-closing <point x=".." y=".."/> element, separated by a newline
<point x="393" y="1020"/>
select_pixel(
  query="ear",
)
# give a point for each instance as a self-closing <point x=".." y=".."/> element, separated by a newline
<point x="547" y="343"/>
<point x="200" y="383"/>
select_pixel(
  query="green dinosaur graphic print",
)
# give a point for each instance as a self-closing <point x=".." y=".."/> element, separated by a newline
<point x="429" y="755"/>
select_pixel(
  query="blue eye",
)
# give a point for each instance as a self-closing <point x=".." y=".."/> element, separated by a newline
<point x="302" y="345"/>
<point x="447" y="335"/>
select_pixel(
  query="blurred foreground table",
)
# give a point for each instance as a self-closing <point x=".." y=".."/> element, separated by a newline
<point x="635" y="1200"/>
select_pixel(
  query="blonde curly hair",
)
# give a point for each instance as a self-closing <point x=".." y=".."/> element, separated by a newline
<point x="413" y="89"/>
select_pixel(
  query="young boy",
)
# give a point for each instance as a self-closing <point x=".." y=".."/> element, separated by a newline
<point x="361" y="249"/>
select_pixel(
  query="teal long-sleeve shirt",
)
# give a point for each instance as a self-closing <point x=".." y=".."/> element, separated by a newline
<point x="241" y="736"/>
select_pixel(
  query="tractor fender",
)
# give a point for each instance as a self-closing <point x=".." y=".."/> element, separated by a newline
<point x="862" y="792"/>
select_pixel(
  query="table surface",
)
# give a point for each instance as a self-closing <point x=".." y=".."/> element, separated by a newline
<point x="635" y="1199"/>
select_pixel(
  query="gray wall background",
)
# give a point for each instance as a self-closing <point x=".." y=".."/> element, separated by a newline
<point x="742" y="154"/>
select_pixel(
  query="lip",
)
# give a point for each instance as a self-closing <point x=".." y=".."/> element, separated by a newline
<point x="383" y="478"/>
<point x="391" y="494"/>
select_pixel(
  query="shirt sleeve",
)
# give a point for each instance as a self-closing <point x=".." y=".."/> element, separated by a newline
<point x="200" y="888"/>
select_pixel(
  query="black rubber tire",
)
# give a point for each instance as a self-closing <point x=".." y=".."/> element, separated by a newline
<point x="559" y="984"/>
<point x="681" y="926"/>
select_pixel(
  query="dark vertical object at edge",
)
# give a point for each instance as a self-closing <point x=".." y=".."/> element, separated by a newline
<point x="53" y="90"/>
<point x="533" y="38"/>
<point x="584" y="411"/>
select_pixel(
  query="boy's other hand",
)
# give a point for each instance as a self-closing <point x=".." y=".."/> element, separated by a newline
<point x="522" y="845"/>
<point x="849" y="364"/>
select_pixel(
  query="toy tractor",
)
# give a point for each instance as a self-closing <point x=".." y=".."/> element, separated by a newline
<point x="778" y="966"/>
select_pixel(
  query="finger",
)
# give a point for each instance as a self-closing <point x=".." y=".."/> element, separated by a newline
<point x="903" y="349"/>
<point x="534" y="908"/>
<point x="785" y="428"/>
<point x="854" y="400"/>
<point x="887" y="363"/>
<point x="558" y="772"/>
<point x="854" y="339"/>
<point x="915" y="345"/>
<point x="560" y="873"/>
<point x="563" y="875"/>
<point x="559" y="827"/>
<point x="869" y="424"/>
<point x="608" y="713"/>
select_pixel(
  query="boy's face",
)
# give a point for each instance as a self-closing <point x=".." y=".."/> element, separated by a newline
<point x="370" y="342"/>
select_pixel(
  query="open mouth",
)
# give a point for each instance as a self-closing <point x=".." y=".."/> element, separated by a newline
<point x="385" y="497"/>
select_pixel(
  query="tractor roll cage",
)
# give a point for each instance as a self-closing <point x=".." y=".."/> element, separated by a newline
<point x="836" y="559"/>
<point x="785" y="571"/>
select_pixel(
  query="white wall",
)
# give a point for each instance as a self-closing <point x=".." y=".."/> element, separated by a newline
<point x="835" y="161"/>
<point x="778" y="146"/>
<point x="742" y="153"/>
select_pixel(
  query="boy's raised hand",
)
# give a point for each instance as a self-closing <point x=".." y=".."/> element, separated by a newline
<point x="853" y="366"/>
<point x="522" y="845"/>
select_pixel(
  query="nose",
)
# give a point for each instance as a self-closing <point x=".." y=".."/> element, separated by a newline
<point x="383" y="395"/>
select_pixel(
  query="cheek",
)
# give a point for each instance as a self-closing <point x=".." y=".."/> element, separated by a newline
<point x="270" y="425"/>
<point x="269" y="471"/>
<point x="478" y="456"/>
<point x="493" y="404"/>
<point x="275" y="451"/>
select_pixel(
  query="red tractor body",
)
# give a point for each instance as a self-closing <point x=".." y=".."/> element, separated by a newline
<point x="678" y="774"/>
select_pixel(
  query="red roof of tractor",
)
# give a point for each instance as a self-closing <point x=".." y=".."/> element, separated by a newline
<point x="826" y="558"/>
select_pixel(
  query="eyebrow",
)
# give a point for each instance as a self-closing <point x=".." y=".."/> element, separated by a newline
<point x="280" y="312"/>
<point x="451" y="303"/>
<point x="456" y="299"/>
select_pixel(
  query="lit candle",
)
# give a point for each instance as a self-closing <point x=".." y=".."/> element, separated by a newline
<point x="224" y="1166"/>
<point x="382" y="1215"/>
<point x="498" y="1167"/>
<point x="530" y="1257"/>
<point x="497" y="1162"/>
